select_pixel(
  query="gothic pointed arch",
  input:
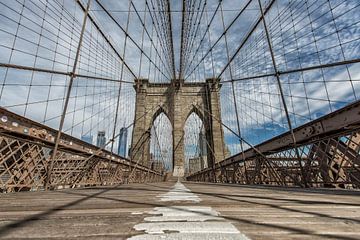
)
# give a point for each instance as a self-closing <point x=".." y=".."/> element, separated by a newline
<point x="177" y="100"/>
<point x="195" y="141"/>
<point x="160" y="144"/>
<point x="159" y="110"/>
<point x="196" y="110"/>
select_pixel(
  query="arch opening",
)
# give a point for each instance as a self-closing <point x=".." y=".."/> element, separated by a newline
<point x="161" y="147"/>
<point x="195" y="143"/>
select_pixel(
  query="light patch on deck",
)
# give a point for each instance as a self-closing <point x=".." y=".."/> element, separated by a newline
<point x="186" y="222"/>
<point x="183" y="213"/>
<point x="190" y="236"/>
<point x="137" y="213"/>
<point x="179" y="193"/>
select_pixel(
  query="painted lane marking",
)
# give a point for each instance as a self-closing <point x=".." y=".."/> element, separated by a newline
<point x="183" y="213"/>
<point x="190" y="236"/>
<point x="186" y="222"/>
<point x="179" y="193"/>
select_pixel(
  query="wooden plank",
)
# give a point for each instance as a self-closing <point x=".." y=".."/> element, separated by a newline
<point x="111" y="213"/>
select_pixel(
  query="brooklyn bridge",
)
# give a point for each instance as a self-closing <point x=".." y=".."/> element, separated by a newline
<point x="169" y="119"/>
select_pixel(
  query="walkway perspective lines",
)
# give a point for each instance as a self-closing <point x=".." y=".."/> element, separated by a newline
<point x="185" y="222"/>
<point x="179" y="193"/>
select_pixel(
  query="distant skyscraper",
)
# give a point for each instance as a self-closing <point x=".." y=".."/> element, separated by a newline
<point x="195" y="164"/>
<point x="101" y="140"/>
<point x="202" y="144"/>
<point x="202" y="150"/>
<point x="87" y="138"/>
<point x="122" y="142"/>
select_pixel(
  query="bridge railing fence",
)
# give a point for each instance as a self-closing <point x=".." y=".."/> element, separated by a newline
<point x="329" y="154"/>
<point x="26" y="148"/>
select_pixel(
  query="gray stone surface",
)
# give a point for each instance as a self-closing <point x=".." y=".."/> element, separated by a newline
<point x="177" y="100"/>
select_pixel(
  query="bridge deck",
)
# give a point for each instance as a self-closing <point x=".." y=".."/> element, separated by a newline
<point x="112" y="213"/>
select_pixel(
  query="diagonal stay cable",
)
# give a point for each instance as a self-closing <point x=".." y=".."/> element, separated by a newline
<point x="149" y="36"/>
<point x="130" y="37"/>
<point x="106" y="39"/>
<point x="268" y="7"/>
<point x="220" y="37"/>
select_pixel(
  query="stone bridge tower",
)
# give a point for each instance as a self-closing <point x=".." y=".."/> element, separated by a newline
<point x="177" y="100"/>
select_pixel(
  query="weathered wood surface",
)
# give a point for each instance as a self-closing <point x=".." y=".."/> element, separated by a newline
<point x="111" y="213"/>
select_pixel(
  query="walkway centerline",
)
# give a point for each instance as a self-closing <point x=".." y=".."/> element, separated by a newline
<point x="185" y="222"/>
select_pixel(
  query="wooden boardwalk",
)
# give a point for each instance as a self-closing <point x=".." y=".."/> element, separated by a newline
<point x="112" y="213"/>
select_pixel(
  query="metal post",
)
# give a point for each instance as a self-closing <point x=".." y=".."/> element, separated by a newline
<point x="182" y="40"/>
<point x="62" y="120"/>
<point x="232" y="87"/>
<point x="120" y="85"/>
<point x="277" y="74"/>
<point x="171" y="38"/>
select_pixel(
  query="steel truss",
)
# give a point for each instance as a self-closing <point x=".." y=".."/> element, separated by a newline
<point x="25" y="152"/>
<point x="329" y="150"/>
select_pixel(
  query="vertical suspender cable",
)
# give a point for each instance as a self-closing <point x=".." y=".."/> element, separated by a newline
<point x="72" y="76"/>
<point x="282" y="94"/>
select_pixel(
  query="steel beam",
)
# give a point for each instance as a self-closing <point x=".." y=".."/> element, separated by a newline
<point x="19" y="127"/>
<point x="334" y="124"/>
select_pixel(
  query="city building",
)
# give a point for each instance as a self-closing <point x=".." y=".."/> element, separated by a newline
<point x="87" y="138"/>
<point x="194" y="164"/>
<point x="122" y="147"/>
<point x="101" y="140"/>
<point x="202" y="144"/>
<point x="157" y="166"/>
<point x="202" y="150"/>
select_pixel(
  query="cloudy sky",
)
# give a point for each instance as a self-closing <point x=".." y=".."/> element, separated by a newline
<point x="225" y="40"/>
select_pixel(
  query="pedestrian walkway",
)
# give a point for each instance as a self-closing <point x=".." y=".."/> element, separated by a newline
<point x="171" y="210"/>
<point x="185" y="222"/>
